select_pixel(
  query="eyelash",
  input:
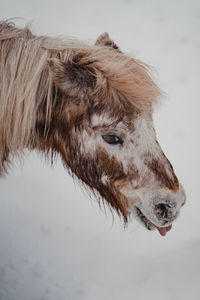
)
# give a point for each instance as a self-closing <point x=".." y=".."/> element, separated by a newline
<point x="112" y="139"/>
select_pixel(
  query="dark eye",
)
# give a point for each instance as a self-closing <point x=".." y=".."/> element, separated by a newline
<point x="112" y="139"/>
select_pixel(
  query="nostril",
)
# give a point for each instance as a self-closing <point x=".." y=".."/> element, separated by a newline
<point x="163" y="211"/>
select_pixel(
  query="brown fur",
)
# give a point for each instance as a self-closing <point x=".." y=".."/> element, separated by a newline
<point x="165" y="181"/>
<point x="50" y="88"/>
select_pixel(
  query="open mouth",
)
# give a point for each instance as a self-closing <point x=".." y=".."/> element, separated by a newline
<point x="149" y="225"/>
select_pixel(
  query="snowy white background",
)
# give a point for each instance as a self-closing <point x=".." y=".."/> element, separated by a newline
<point x="56" y="244"/>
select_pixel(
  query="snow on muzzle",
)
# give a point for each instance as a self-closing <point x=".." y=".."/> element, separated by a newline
<point x="159" y="208"/>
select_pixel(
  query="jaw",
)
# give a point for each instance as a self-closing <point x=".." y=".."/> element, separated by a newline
<point x="134" y="201"/>
<point x="147" y="223"/>
<point x="148" y="212"/>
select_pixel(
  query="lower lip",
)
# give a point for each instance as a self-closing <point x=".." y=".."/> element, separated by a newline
<point x="162" y="230"/>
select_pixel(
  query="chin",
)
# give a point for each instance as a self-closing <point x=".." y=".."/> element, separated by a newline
<point x="145" y="221"/>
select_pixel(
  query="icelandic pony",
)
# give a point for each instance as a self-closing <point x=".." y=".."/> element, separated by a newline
<point x="92" y="105"/>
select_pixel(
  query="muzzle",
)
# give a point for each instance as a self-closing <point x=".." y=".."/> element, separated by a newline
<point x="157" y="209"/>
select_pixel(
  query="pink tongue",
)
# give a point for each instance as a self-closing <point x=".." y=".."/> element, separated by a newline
<point x="164" y="230"/>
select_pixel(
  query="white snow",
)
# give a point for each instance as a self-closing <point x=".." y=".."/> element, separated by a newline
<point x="56" y="244"/>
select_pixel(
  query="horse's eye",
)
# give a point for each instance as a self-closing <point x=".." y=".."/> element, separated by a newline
<point x="112" y="139"/>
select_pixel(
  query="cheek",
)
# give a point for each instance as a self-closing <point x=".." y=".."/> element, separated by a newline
<point x="127" y="190"/>
<point x="114" y="160"/>
<point x="127" y="156"/>
<point x="88" y="142"/>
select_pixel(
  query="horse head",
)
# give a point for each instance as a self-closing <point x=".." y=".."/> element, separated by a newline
<point x="102" y="126"/>
<point x="93" y="106"/>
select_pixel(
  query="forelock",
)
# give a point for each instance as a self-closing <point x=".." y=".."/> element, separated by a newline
<point x="123" y="79"/>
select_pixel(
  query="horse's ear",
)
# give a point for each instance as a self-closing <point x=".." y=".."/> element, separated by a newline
<point x="74" y="77"/>
<point x="104" y="40"/>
